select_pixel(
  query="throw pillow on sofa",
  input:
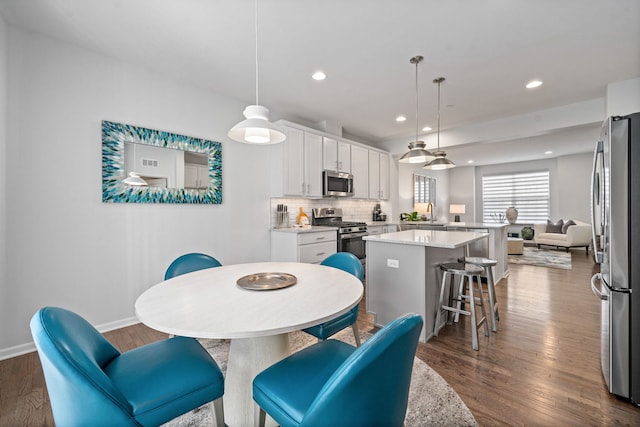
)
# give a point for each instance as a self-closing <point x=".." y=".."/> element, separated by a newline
<point x="566" y="225"/>
<point x="554" y="227"/>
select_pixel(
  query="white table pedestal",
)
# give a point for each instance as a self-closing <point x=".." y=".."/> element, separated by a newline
<point x="247" y="358"/>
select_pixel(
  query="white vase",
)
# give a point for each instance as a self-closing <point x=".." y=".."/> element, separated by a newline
<point x="512" y="215"/>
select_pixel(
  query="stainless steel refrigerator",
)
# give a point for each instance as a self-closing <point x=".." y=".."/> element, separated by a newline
<point x="615" y="201"/>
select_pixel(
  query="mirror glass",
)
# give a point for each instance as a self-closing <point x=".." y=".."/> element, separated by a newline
<point x="424" y="189"/>
<point x="141" y="165"/>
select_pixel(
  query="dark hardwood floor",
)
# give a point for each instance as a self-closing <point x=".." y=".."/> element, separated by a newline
<point x="542" y="368"/>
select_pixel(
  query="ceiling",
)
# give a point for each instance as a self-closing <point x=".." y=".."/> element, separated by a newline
<point x="486" y="49"/>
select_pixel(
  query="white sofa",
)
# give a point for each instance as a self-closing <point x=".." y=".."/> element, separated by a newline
<point x="577" y="236"/>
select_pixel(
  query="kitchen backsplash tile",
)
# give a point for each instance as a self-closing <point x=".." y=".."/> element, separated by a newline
<point x="353" y="210"/>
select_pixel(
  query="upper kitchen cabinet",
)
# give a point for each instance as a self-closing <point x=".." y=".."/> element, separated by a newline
<point x="378" y="175"/>
<point x="302" y="163"/>
<point x="336" y="155"/>
<point x="360" y="172"/>
<point x="297" y="164"/>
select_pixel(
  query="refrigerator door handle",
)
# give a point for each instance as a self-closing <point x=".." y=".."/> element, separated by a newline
<point x="596" y="291"/>
<point x="595" y="201"/>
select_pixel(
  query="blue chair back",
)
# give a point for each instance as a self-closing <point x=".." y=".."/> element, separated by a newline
<point x="73" y="353"/>
<point x="345" y="261"/>
<point x="190" y="262"/>
<point x="371" y="387"/>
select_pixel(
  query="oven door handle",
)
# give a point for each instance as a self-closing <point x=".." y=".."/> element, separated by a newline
<point x="353" y="235"/>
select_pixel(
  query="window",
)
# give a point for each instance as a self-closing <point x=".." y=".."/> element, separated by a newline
<point x="528" y="192"/>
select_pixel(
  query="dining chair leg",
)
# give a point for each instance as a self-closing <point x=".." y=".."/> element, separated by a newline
<point x="217" y="412"/>
<point x="356" y="334"/>
<point x="260" y="415"/>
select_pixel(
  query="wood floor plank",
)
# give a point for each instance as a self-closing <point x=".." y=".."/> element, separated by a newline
<point x="542" y="367"/>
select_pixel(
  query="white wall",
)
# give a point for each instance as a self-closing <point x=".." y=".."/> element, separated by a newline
<point x="64" y="246"/>
<point x="462" y="191"/>
<point x="623" y="97"/>
<point x="4" y="293"/>
<point x="574" y="187"/>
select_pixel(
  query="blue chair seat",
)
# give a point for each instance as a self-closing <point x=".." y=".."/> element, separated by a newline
<point x="166" y="378"/>
<point x="90" y="383"/>
<point x="278" y="388"/>
<point x="332" y="383"/>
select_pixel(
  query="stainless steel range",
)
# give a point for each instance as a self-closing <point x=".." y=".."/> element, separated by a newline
<point x="350" y="233"/>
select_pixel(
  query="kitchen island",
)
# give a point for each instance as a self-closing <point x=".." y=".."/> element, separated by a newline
<point x="402" y="274"/>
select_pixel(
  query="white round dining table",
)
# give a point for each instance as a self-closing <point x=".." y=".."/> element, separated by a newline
<point x="210" y="304"/>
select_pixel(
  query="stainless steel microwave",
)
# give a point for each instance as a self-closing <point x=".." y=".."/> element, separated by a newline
<point x="337" y="184"/>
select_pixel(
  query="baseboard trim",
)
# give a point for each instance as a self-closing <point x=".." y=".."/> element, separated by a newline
<point x="19" y="350"/>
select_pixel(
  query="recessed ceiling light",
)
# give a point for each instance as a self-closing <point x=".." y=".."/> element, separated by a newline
<point x="318" y="75"/>
<point x="469" y="161"/>
<point x="401" y="119"/>
<point x="426" y="129"/>
<point x="548" y="152"/>
<point x="533" y="84"/>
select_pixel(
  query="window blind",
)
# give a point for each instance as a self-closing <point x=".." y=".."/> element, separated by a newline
<point x="528" y="192"/>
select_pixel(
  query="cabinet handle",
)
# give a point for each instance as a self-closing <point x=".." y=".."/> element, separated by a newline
<point x="320" y="238"/>
<point x="320" y="253"/>
<point x="308" y="188"/>
<point x="302" y="187"/>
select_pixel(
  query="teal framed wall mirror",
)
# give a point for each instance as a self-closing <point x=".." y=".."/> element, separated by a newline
<point x="141" y="165"/>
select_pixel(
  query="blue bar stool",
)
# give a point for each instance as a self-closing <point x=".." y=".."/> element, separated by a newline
<point x="487" y="265"/>
<point x="464" y="293"/>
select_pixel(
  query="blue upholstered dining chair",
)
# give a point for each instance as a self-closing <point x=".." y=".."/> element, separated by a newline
<point x="332" y="383"/>
<point x="190" y="262"/>
<point x="351" y="264"/>
<point x="90" y="383"/>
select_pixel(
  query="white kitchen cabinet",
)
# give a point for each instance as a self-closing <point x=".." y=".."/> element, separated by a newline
<point x="378" y="175"/>
<point x="288" y="245"/>
<point x="377" y="229"/>
<point x="384" y="176"/>
<point x="336" y="155"/>
<point x="302" y="163"/>
<point x="196" y="176"/>
<point x="360" y="171"/>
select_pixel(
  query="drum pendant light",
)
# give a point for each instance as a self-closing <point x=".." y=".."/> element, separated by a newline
<point x="417" y="152"/>
<point x="440" y="162"/>
<point x="256" y="129"/>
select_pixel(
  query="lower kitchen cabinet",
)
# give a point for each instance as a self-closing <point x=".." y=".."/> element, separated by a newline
<point x="296" y="245"/>
<point x="381" y="229"/>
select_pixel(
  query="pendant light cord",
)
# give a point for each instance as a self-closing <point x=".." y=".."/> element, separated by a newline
<point x="417" y="62"/>
<point x="439" y="114"/>
<point x="256" y="34"/>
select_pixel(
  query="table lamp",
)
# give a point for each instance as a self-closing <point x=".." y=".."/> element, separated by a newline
<point x="457" y="210"/>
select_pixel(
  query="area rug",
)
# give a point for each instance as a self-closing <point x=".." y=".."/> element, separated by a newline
<point x="543" y="258"/>
<point x="432" y="402"/>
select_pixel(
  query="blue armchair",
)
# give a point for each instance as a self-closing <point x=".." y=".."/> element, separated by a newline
<point x="90" y="383"/>
<point x="351" y="264"/>
<point x="190" y="262"/>
<point x="332" y="383"/>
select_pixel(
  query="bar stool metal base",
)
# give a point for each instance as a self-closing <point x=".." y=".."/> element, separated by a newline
<point x="463" y="271"/>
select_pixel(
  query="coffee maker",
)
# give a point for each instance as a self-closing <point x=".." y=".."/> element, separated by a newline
<point x="376" y="212"/>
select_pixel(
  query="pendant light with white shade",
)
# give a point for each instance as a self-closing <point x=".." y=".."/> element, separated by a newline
<point x="256" y="129"/>
<point x="417" y="152"/>
<point x="440" y="162"/>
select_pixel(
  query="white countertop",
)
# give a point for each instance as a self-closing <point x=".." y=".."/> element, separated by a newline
<point x="312" y="229"/>
<point x="429" y="238"/>
<point x="477" y="224"/>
